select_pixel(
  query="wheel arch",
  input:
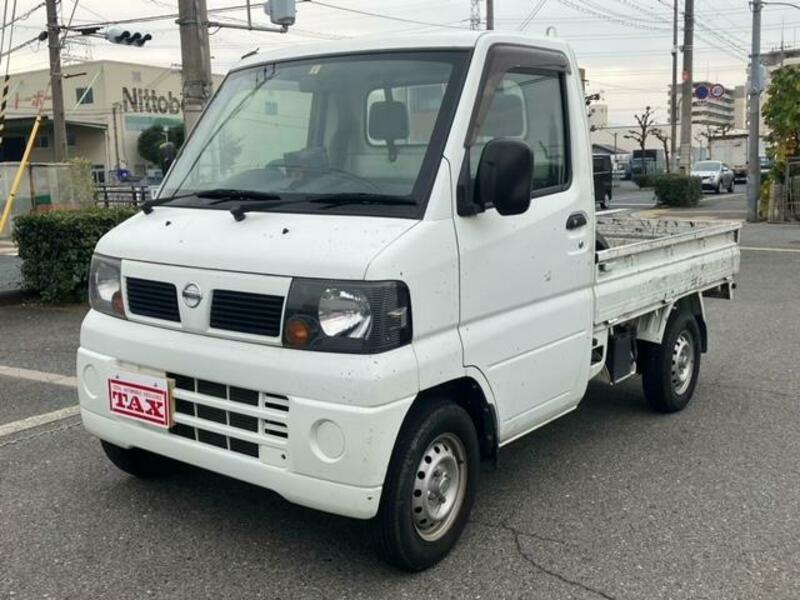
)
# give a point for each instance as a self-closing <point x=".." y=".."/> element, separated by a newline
<point x="651" y="327"/>
<point x="466" y="392"/>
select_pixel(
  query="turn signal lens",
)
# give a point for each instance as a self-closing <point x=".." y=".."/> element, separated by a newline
<point x="298" y="333"/>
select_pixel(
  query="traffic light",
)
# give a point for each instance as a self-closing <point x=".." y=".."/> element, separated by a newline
<point x="120" y="35"/>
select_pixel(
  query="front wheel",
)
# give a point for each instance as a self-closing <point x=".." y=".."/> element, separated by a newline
<point x="718" y="189"/>
<point x="606" y="201"/>
<point x="731" y="186"/>
<point x="430" y="486"/>
<point x="670" y="369"/>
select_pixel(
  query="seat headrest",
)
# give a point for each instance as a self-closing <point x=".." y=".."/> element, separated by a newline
<point x="505" y="117"/>
<point x="388" y="121"/>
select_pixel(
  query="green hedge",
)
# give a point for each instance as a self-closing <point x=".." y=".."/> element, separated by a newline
<point x="644" y="181"/>
<point x="56" y="249"/>
<point x="677" y="190"/>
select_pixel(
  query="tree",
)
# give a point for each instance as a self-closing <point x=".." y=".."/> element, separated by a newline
<point x="712" y="133"/>
<point x="664" y="139"/>
<point x="645" y="128"/>
<point x="782" y="116"/>
<point x="151" y="140"/>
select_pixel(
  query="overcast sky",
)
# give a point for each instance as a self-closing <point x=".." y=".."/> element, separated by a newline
<point x="623" y="44"/>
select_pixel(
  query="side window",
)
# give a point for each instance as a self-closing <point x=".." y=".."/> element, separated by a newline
<point x="528" y="104"/>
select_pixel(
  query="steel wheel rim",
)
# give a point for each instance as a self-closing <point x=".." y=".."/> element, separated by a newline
<point x="440" y="484"/>
<point x="683" y="358"/>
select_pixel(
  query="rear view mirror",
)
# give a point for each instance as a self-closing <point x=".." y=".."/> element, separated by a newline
<point x="505" y="176"/>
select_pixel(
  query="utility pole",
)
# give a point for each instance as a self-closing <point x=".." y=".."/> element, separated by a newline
<point x="56" y="84"/>
<point x="753" y="163"/>
<point x="475" y="14"/>
<point x="195" y="58"/>
<point x="688" y="88"/>
<point x="489" y="14"/>
<point x="673" y="138"/>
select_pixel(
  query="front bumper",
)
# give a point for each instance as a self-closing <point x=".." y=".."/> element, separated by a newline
<point x="326" y="446"/>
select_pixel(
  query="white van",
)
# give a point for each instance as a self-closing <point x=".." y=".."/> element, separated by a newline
<point x="374" y="264"/>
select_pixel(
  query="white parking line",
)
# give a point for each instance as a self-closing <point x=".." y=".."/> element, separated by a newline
<point x="37" y="420"/>
<point x="40" y="376"/>
<point x="762" y="249"/>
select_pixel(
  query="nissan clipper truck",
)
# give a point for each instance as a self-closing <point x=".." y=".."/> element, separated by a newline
<point x="374" y="264"/>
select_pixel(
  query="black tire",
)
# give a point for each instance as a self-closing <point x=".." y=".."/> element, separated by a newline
<point x="140" y="463"/>
<point x="731" y="186"/>
<point x="396" y="526"/>
<point x="718" y="189"/>
<point x="605" y="203"/>
<point x="662" y="364"/>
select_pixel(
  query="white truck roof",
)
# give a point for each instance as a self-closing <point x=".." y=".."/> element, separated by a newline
<point x="450" y="39"/>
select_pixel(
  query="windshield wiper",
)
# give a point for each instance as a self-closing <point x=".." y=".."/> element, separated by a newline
<point x="221" y="195"/>
<point x="147" y="206"/>
<point x="342" y="198"/>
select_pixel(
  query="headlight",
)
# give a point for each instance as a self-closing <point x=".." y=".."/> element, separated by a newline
<point x="347" y="316"/>
<point x="105" y="286"/>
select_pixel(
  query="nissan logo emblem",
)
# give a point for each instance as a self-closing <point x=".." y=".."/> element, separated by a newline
<point x="191" y="295"/>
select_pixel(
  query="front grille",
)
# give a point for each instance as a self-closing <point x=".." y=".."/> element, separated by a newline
<point x="245" y="312"/>
<point x="155" y="299"/>
<point x="264" y="420"/>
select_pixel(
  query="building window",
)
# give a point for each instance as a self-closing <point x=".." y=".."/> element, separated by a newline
<point x="72" y="139"/>
<point x="42" y="141"/>
<point x="136" y="76"/>
<point x="84" y="95"/>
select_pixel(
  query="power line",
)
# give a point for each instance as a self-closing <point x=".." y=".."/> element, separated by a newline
<point x="531" y="15"/>
<point x="23" y="16"/>
<point x="380" y="16"/>
<point x="625" y="22"/>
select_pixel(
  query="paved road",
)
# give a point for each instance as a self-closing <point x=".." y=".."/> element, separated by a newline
<point x="611" y="501"/>
<point x="718" y="206"/>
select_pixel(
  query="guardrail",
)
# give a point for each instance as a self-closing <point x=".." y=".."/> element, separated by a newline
<point x="121" y="195"/>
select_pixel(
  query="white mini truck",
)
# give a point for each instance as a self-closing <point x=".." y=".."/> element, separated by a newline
<point x="374" y="264"/>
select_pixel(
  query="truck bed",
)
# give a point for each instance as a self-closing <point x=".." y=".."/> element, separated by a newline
<point x="652" y="262"/>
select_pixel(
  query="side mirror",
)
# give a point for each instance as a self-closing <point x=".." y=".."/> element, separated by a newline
<point x="505" y="176"/>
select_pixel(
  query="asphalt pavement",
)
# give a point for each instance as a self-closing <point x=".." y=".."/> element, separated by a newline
<point x="611" y="501"/>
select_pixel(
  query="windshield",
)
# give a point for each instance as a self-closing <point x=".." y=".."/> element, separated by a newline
<point x="708" y="165"/>
<point x="367" y="125"/>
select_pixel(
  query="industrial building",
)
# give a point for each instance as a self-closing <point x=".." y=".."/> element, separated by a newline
<point x="107" y="103"/>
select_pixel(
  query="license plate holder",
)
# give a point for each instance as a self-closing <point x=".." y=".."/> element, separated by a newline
<point x="140" y="397"/>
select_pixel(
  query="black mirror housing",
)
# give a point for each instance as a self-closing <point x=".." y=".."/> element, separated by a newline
<point x="505" y="176"/>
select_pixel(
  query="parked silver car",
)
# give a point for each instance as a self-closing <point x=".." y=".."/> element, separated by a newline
<point x="714" y="175"/>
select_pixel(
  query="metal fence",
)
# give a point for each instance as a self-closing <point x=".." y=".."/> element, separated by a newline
<point x="121" y="195"/>
<point x="44" y="186"/>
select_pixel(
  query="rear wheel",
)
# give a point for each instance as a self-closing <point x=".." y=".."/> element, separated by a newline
<point x="670" y="369"/>
<point x="430" y="486"/>
<point x="139" y="463"/>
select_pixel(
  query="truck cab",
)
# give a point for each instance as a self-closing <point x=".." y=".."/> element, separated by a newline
<point x="371" y="267"/>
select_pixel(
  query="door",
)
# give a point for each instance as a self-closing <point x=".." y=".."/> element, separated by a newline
<point x="526" y="280"/>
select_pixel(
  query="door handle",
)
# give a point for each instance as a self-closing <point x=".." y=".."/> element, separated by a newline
<point x="577" y="220"/>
